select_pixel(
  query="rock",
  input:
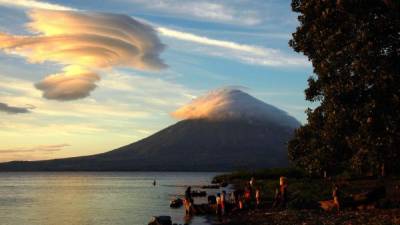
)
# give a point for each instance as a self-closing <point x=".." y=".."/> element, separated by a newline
<point x="367" y="199"/>
<point x="223" y="184"/>
<point x="203" y="209"/>
<point x="199" y="193"/>
<point x="161" y="220"/>
<point x="364" y="200"/>
<point x="210" y="187"/>
<point x="176" y="203"/>
<point x="327" y="205"/>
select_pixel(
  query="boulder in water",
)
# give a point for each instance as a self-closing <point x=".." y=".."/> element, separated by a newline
<point x="198" y="193"/>
<point x="176" y="203"/>
<point x="161" y="220"/>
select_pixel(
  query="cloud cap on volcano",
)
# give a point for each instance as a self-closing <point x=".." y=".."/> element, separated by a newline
<point x="230" y="103"/>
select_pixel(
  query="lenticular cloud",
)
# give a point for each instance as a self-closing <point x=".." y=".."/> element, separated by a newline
<point x="73" y="83"/>
<point x="88" y="41"/>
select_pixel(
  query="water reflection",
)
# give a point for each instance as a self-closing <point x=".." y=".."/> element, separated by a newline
<point x="93" y="198"/>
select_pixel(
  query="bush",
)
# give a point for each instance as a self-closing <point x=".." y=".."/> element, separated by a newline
<point x="263" y="174"/>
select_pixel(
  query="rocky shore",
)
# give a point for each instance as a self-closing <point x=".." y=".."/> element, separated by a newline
<point x="366" y="201"/>
<point x="315" y="217"/>
<point x="305" y="194"/>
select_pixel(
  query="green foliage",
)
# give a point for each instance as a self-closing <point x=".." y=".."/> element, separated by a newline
<point x="354" y="47"/>
<point x="305" y="192"/>
<point x="263" y="174"/>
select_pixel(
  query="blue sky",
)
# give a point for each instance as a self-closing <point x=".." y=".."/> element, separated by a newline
<point x="208" y="45"/>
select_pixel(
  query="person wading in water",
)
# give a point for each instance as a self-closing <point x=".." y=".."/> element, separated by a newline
<point x="188" y="200"/>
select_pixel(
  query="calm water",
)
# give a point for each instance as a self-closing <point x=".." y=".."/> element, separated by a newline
<point x="121" y="198"/>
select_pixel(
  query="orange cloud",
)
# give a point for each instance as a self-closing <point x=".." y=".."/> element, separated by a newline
<point x="215" y="104"/>
<point x="74" y="83"/>
<point x="40" y="148"/>
<point x="89" y="41"/>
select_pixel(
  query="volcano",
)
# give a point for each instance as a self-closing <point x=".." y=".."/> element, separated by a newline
<point x="223" y="131"/>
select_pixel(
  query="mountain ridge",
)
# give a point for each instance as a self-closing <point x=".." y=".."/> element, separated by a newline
<point x="193" y="144"/>
<point x="214" y="155"/>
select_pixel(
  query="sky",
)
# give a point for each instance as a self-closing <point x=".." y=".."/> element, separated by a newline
<point x="82" y="77"/>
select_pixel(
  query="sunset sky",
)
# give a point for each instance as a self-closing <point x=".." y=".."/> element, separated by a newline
<point x="82" y="77"/>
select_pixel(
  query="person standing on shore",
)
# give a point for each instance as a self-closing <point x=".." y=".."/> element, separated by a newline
<point x="241" y="205"/>
<point x="276" y="198"/>
<point x="188" y="207"/>
<point x="236" y="196"/>
<point x="219" y="205"/>
<point x="188" y="192"/>
<point x="232" y="198"/>
<point x="252" y="182"/>
<point x="223" y="202"/>
<point x="283" y="184"/>
<point x="258" y="197"/>
<point x="247" y="197"/>
<point x="240" y="201"/>
<point x="188" y="200"/>
<point x="281" y="194"/>
<point x="336" y="197"/>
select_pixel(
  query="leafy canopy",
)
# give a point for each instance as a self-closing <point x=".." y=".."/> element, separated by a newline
<point x="354" y="47"/>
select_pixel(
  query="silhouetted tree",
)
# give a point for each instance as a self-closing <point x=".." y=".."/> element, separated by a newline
<point x="354" y="47"/>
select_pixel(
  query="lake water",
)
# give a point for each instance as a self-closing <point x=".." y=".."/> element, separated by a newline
<point x="86" y="198"/>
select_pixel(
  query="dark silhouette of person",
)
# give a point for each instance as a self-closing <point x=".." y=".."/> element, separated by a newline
<point x="281" y="195"/>
<point x="336" y="195"/>
<point x="188" y="193"/>
<point x="188" y="201"/>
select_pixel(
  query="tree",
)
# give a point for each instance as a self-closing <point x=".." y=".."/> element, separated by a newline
<point x="354" y="47"/>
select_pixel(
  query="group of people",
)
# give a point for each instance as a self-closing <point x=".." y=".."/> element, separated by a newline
<point x="248" y="198"/>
